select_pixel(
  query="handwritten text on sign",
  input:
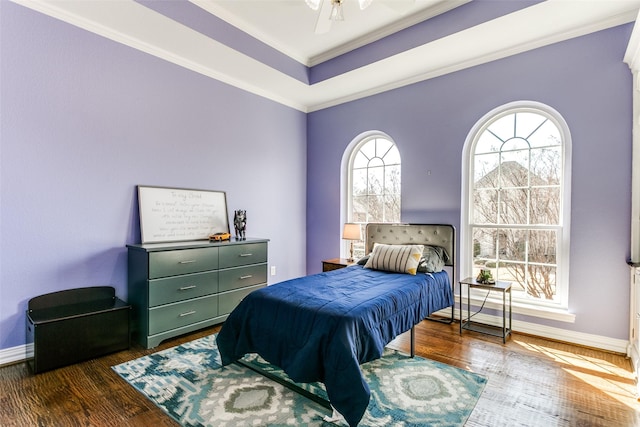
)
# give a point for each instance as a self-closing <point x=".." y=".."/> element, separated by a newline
<point x="174" y="214"/>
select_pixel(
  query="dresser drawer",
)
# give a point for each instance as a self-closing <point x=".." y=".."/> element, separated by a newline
<point x="241" y="277"/>
<point x="229" y="300"/>
<point x="179" y="288"/>
<point x="173" y="263"/>
<point x="176" y="315"/>
<point x="237" y="255"/>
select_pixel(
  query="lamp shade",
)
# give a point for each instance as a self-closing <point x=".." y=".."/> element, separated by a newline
<point x="352" y="232"/>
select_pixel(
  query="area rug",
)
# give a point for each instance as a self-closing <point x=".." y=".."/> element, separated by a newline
<point x="190" y="385"/>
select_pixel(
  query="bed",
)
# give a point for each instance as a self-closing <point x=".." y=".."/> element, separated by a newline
<point x="323" y="326"/>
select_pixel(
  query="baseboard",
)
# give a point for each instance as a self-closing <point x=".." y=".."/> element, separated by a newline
<point x="557" y="334"/>
<point x="16" y="354"/>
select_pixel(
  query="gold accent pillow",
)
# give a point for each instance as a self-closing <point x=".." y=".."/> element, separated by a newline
<point x="395" y="258"/>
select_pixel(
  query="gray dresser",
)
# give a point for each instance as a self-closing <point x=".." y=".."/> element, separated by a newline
<point x="179" y="287"/>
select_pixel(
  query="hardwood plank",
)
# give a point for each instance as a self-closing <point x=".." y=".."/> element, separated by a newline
<point x="531" y="382"/>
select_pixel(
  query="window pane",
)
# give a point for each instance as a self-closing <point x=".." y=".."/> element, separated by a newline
<point x="485" y="170"/>
<point x="375" y="177"/>
<point x="541" y="281"/>
<point x="548" y="134"/>
<point x="546" y="166"/>
<point x="527" y="123"/>
<point x="484" y="245"/>
<point x="485" y="206"/>
<point x="359" y="208"/>
<point x="513" y="206"/>
<point x="542" y="246"/>
<point x="503" y="128"/>
<point x="375" y="209"/>
<point x="360" y="161"/>
<point x="512" y="245"/>
<point x="545" y="206"/>
<point x="392" y="179"/>
<point x="369" y="149"/>
<point x="376" y="162"/>
<point x="514" y="169"/>
<point x="392" y="157"/>
<point x="510" y="272"/>
<point x="515" y="144"/>
<point x="488" y="143"/>
<point x="392" y="208"/>
<point x="359" y="185"/>
<point x="382" y="146"/>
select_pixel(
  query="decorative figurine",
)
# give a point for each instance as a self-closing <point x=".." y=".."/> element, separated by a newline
<point x="240" y="224"/>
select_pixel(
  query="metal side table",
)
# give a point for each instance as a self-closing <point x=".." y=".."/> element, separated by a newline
<point x="468" y="324"/>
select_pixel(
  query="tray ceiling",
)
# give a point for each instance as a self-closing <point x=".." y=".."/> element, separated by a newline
<point x="288" y="26"/>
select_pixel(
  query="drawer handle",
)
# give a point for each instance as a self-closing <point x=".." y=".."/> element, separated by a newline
<point x="186" y="288"/>
<point x="191" y="261"/>
<point x="188" y="313"/>
<point x="243" y="255"/>
<point x="248" y="276"/>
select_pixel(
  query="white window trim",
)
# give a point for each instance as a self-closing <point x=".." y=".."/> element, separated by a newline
<point x="466" y="245"/>
<point x="345" y="179"/>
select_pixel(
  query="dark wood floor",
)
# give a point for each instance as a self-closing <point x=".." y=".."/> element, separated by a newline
<point x="531" y="382"/>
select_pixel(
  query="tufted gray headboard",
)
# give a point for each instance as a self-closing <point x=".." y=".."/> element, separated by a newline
<point x="412" y="234"/>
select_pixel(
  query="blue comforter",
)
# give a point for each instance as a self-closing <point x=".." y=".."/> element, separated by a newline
<point x="321" y="327"/>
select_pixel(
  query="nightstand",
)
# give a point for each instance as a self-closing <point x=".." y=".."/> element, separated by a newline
<point x="335" y="264"/>
<point x="499" y="286"/>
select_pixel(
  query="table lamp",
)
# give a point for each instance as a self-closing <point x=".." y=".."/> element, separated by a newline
<point x="351" y="232"/>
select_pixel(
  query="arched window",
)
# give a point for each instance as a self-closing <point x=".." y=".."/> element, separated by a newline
<point x="373" y="182"/>
<point x="517" y="196"/>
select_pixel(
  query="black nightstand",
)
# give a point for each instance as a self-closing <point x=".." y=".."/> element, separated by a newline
<point x="335" y="264"/>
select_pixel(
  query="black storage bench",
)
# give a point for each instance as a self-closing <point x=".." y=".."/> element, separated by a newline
<point x="70" y="326"/>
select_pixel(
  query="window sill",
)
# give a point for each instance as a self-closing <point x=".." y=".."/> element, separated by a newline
<point x="561" y="315"/>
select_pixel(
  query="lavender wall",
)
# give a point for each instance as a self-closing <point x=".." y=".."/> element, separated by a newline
<point x="584" y="79"/>
<point x="84" y="120"/>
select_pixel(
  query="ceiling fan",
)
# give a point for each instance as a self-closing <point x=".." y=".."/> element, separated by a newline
<point x="331" y="10"/>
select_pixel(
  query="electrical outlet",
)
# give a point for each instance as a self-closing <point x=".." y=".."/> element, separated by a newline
<point x="273" y="270"/>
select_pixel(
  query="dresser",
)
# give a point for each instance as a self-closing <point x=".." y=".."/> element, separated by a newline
<point x="180" y="287"/>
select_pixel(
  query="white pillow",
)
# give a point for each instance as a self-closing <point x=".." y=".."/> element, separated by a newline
<point x="395" y="258"/>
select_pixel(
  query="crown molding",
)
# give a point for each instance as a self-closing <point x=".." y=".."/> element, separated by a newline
<point x="461" y="50"/>
<point x="120" y="21"/>
<point x="632" y="54"/>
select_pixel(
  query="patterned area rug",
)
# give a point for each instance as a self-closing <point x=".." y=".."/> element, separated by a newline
<point x="189" y="384"/>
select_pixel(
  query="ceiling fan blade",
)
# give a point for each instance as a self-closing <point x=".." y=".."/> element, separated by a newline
<point x="400" y="6"/>
<point x="323" y="23"/>
<point x="313" y="4"/>
<point x="364" y="4"/>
